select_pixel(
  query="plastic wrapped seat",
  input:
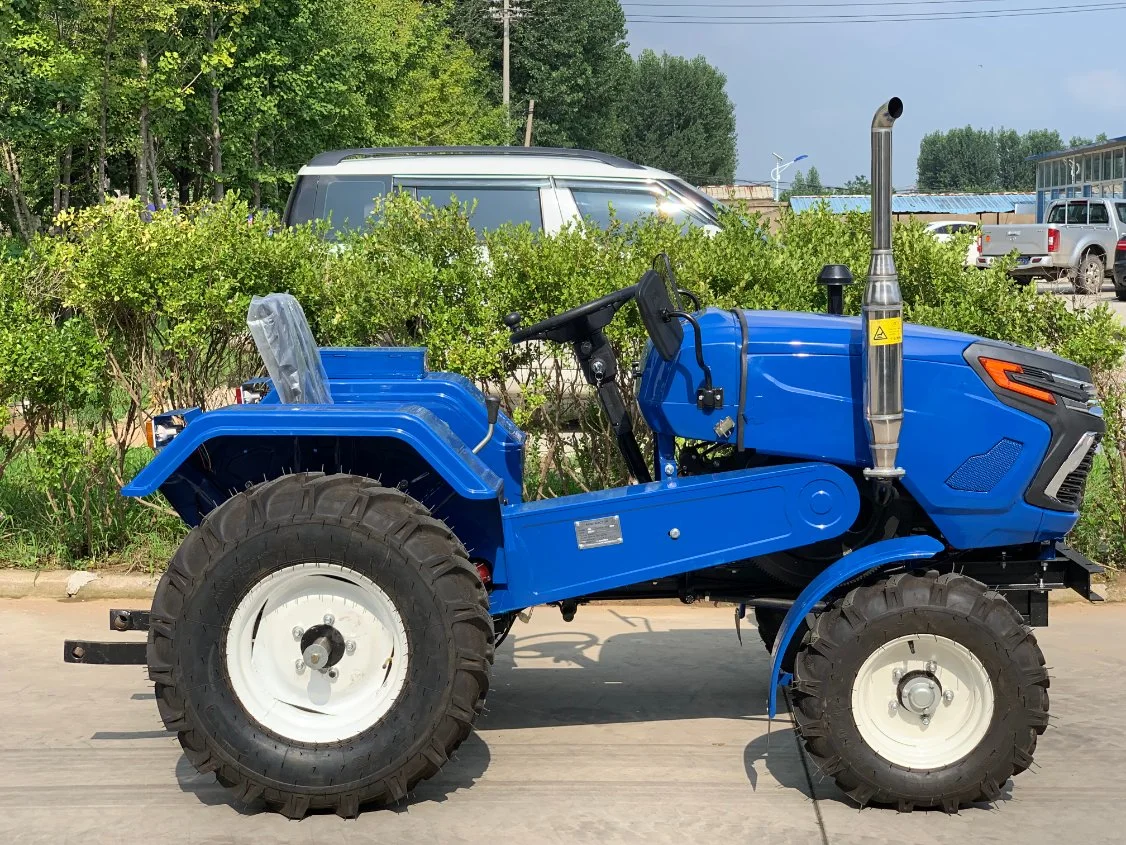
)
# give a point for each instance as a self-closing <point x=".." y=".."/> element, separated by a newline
<point x="288" y="349"/>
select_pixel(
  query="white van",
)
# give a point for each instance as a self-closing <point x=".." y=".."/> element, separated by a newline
<point x="541" y="186"/>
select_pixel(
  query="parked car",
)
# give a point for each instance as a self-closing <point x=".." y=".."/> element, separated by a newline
<point x="541" y="186"/>
<point x="945" y="230"/>
<point x="1120" y="270"/>
<point x="1077" y="242"/>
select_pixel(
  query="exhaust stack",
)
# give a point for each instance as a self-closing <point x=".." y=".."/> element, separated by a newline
<point x="882" y="315"/>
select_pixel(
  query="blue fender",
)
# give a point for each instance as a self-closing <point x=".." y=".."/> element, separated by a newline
<point x="413" y="424"/>
<point x="848" y="567"/>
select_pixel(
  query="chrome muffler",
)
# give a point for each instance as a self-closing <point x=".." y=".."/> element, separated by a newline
<point x="882" y="314"/>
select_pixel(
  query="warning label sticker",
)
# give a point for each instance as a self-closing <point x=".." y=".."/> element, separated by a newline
<point x="885" y="332"/>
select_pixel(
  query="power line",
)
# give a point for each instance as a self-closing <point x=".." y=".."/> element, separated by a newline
<point x="900" y="17"/>
<point x="807" y="5"/>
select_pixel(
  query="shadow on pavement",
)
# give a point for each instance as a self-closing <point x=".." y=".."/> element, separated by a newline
<point x="571" y="677"/>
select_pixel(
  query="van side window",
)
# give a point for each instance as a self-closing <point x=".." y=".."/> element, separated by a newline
<point x="1077" y="212"/>
<point x="1058" y="214"/>
<point x="348" y="201"/>
<point x="1121" y="209"/>
<point x="603" y="203"/>
<point x="491" y="206"/>
<point x="1098" y="215"/>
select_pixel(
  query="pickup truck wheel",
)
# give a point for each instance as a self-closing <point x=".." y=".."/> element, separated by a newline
<point x="320" y="642"/>
<point x="921" y="691"/>
<point x="1089" y="275"/>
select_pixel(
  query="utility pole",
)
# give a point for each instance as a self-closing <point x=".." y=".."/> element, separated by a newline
<point x="506" y="19"/>
<point x="528" y="127"/>
<point x="506" y="11"/>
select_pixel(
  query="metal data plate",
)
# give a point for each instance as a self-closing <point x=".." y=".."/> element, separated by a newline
<point x="593" y="533"/>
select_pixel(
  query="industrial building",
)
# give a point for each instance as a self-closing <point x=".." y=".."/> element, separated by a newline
<point x="983" y="208"/>
<point x="1096" y="170"/>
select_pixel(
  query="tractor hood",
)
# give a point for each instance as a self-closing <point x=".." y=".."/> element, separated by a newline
<point x="790" y="333"/>
<point x="795" y="391"/>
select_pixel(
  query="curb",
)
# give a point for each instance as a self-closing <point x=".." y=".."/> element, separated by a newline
<point x="67" y="584"/>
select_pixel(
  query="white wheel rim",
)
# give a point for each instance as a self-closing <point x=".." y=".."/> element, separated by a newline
<point x="899" y="727"/>
<point x="301" y="703"/>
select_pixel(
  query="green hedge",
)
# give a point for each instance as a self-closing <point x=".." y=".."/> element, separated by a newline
<point x="125" y="313"/>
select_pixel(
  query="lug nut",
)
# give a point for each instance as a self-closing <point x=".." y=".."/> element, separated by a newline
<point x="350" y="647"/>
<point x="948" y="696"/>
<point x="299" y="666"/>
<point x="333" y="674"/>
<point x="329" y="619"/>
<point x="896" y="674"/>
<point x="925" y="719"/>
<point x="893" y="706"/>
<point x="298" y="632"/>
<point x="932" y="667"/>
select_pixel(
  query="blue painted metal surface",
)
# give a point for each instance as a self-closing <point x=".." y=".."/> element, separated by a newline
<point x="968" y="204"/>
<point x="667" y="528"/>
<point x="413" y="424"/>
<point x="803" y="401"/>
<point x="850" y="566"/>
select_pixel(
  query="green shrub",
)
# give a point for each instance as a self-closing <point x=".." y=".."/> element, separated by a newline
<point x="126" y="313"/>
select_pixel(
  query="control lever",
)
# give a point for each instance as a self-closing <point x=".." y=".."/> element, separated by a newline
<point x="492" y="410"/>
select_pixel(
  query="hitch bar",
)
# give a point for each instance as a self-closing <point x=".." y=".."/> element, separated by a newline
<point x="113" y="653"/>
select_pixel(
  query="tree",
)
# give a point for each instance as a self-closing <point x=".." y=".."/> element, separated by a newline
<point x="676" y="116"/>
<point x="808" y="185"/>
<point x="971" y="159"/>
<point x="858" y="184"/>
<point x="186" y="99"/>
<point x="569" y="56"/>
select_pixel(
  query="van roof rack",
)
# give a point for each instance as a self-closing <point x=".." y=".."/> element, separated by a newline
<point x="334" y="157"/>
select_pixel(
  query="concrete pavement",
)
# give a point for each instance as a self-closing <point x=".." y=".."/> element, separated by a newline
<point x="629" y="724"/>
<point x="1104" y="297"/>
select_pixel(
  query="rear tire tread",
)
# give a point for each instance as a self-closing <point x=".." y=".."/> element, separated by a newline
<point x="398" y="520"/>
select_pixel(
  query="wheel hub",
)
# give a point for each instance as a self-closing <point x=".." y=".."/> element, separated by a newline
<point x="920" y="693"/>
<point x="320" y="682"/>
<point x="922" y="701"/>
<point x="322" y="646"/>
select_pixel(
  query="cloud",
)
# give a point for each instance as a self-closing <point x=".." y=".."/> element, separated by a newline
<point x="1100" y="90"/>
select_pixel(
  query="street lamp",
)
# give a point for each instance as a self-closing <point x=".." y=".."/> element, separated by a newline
<point x="779" y="169"/>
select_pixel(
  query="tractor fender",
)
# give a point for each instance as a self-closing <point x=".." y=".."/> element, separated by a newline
<point x="411" y="423"/>
<point x="848" y="567"/>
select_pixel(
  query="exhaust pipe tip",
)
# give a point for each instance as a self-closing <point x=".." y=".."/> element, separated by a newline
<point x="888" y="113"/>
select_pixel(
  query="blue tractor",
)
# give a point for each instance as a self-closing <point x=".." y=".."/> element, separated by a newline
<point x="890" y="499"/>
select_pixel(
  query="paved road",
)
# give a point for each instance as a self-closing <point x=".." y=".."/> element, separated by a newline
<point x="627" y="725"/>
<point x="1106" y="296"/>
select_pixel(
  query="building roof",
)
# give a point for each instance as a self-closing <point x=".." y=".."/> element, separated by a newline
<point x="730" y="193"/>
<point x="919" y="203"/>
<point x="1087" y="148"/>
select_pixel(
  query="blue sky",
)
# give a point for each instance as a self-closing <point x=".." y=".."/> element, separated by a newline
<point x="813" y="88"/>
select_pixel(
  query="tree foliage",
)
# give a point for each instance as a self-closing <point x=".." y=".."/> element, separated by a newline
<point x="570" y="56"/>
<point x="981" y="160"/>
<point x="676" y="115"/>
<point x="176" y="100"/>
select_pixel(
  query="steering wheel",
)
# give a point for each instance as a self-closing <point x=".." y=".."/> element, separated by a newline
<point x="575" y="324"/>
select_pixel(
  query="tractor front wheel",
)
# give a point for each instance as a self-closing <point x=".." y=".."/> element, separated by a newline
<point x="320" y="642"/>
<point x="921" y="691"/>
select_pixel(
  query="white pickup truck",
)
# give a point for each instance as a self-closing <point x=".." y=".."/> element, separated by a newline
<point x="1076" y="243"/>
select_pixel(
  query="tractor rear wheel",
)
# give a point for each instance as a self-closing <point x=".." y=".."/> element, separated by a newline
<point x="320" y="642"/>
<point x="921" y="691"/>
